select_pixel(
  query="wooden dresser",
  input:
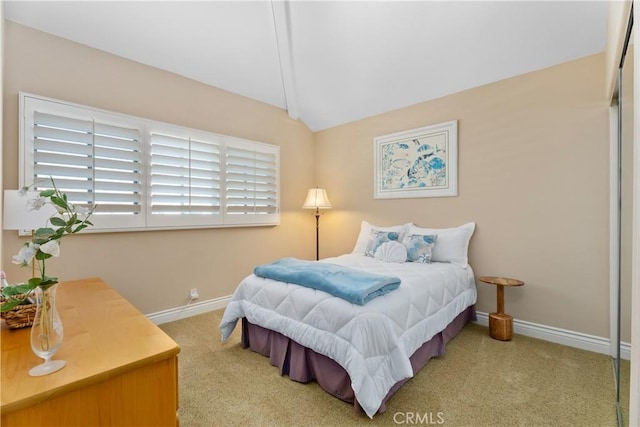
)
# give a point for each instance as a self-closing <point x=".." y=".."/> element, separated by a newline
<point x="122" y="370"/>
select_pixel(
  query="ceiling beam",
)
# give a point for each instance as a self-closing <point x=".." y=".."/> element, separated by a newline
<point x="281" y="21"/>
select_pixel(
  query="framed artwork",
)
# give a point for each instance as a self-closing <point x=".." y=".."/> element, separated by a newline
<point x="419" y="162"/>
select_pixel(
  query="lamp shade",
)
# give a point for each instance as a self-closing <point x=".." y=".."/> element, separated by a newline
<point x="317" y="199"/>
<point x="19" y="213"/>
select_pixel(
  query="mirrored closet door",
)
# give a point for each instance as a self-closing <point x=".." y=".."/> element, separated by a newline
<point x="625" y="217"/>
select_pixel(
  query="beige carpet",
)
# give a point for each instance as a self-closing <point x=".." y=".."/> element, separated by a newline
<point x="478" y="382"/>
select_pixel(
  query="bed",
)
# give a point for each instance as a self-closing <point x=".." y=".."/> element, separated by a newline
<point x="362" y="353"/>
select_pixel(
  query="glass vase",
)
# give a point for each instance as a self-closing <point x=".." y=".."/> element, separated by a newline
<point x="46" y="332"/>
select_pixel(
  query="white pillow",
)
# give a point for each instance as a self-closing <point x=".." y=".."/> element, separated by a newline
<point x="365" y="234"/>
<point x="391" y="252"/>
<point x="452" y="244"/>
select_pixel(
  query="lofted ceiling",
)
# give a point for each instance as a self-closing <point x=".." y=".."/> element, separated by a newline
<point x="331" y="62"/>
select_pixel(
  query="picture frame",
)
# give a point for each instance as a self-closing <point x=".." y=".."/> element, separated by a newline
<point x="421" y="162"/>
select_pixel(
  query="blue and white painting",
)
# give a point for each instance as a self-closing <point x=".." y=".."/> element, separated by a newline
<point x="417" y="163"/>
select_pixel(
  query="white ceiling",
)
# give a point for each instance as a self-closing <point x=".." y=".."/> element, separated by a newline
<point x="339" y="61"/>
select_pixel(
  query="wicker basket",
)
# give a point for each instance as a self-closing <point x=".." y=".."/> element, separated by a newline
<point x="20" y="316"/>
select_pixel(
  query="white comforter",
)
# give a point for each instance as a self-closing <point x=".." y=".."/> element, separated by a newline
<point x="373" y="342"/>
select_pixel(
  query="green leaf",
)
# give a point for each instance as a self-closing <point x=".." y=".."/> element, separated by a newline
<point x="47" y="193"/>
<point x="22" y="288"/>
<point x="41" y="256"/>
<point x="48" y="282"/>
<point x="44" y="232"/>
<point x="34" y="282"/>
<point x="60" y="202"/>
<point x="8" y="291"/>
<point x="59" y="222"/>
<point x="10" y="304"/>
<point x="80" y="227"/>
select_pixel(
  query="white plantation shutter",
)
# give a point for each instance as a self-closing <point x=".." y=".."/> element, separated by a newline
<point x="251" y="182"/>
<point x="91" y="158"/>
<point x="92" y="162"/>
<point x="185" y="179"/>
<point x="146" y="175"/>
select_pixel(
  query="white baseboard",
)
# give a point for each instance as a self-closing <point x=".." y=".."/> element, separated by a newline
<point x="529" y="329"/>
<point x="562" y="336"/>
<point x="188" y="310"/>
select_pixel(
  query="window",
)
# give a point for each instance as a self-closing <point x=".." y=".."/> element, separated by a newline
<point x="184" y="183"/>
<point x="144" y="174"/>
<point x="251" y="182"/>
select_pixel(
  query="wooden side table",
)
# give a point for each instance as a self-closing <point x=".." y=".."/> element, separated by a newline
<point x="500" y="323"/>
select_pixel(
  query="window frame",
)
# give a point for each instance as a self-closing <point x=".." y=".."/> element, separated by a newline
<point x="144" y="220"/>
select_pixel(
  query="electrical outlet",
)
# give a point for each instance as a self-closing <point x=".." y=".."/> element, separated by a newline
<point x="193" y="293"/>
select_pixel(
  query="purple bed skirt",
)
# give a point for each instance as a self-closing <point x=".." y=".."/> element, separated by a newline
<point x="304" y="365"/>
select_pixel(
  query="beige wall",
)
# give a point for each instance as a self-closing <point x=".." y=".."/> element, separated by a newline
<point x="155" y="270"/>
<point x="533" y="175"/>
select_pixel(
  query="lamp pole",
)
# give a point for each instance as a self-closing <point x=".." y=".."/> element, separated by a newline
<point x="317" y="234"/>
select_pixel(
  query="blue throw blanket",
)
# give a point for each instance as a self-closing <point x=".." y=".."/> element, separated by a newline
<point x="355" y="286"/>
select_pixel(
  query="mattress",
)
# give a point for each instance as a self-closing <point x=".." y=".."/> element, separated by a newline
<point x="373" y="342"/>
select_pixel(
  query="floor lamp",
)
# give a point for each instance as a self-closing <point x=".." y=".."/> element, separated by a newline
<point x="317" y="199"/>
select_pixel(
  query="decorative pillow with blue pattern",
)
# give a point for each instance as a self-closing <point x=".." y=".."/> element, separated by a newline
<point x="379" y="237"/>
<point x="419" y="247"/>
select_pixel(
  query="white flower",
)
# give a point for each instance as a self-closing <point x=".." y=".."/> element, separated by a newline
<point x="52" y="247"/>
<point x="23" y="191"/>
<point x="26" y="254"/>
<point x="37" y="203"/>
<point x="81" y="210"/>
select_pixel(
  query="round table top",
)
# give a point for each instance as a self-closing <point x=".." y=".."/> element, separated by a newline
<point x="504" y="281"/>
